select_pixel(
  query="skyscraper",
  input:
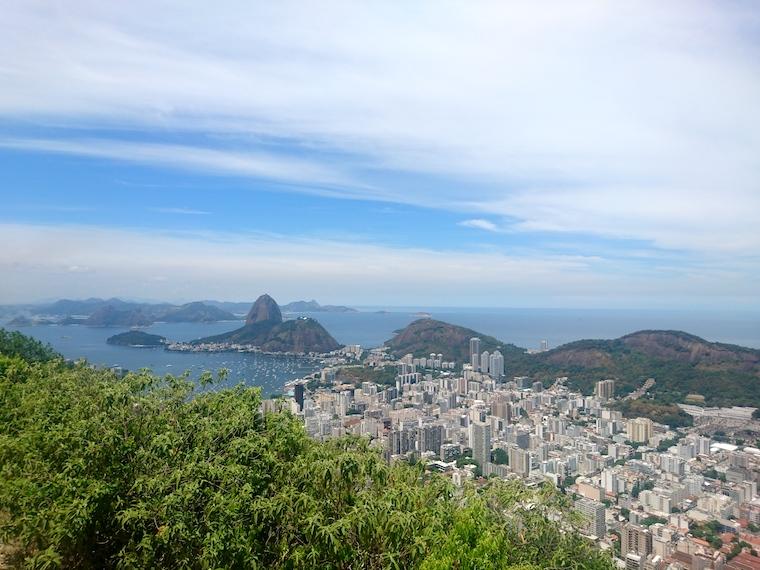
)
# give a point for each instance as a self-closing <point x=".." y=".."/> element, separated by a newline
<point x="639" y="430"/>
<point x="481" y="443"/>
<point x="298" y="391"/>
<point x="475" y="353"/>
<point x="485" y="361"/>
<point x="635" y="539"/>
<point x="496" y="366"/>
<point x="605" y="389"/>
<point x="519" y="461"/>
<point x="593" y="513"/>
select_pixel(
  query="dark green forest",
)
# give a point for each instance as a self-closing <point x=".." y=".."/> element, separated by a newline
<point x="98" y="471"/>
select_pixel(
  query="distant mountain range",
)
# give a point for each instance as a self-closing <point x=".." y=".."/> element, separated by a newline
<point x="116" y="312"/>
<point x="265" y="329"/>
<point x="314" y="307"/>
<point x="681" y="363"/>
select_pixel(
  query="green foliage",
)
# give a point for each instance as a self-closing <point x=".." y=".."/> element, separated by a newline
<point x="666" y="444"/>
<point x="383" y="376"/>
<point x="143" y="472"/>
<point x="13" y="343"/>
<point x="500" y="456"/>
<point x="652" y="519"/>
<point x="664" y="413"/>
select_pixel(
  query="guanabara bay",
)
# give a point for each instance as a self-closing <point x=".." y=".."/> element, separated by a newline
<point x="430" y="285"/>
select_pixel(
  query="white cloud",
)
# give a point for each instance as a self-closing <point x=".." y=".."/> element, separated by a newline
<point x="480" y="224"/>
<point x="623" y="120"/>
<point x="79" y="261"/>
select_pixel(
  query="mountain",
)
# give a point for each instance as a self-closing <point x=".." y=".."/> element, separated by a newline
<point x="196" y="313"/>
<point x="264" y="310"/>
<point x="680" y="363"/>
<point x="110" y="316"/>
<point x="265" y="329"/>
<point x="425" y="336"/>
<point x="234" y="307"/>
<point x="137" y="339"/>
<point x="314" y="307"/>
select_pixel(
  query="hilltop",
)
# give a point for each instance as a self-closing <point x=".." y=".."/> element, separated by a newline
<point x="681" y="363"/>
<point x="265" y="329"/>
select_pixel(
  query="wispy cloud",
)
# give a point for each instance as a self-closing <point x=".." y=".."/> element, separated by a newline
<point x="636" y="121"/>
<point x="210" y="160"/>
<point x="480" y="224"/>
<point x="58" y="261"/>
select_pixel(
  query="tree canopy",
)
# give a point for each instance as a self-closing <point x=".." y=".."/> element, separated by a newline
<point x="98" y="471"/>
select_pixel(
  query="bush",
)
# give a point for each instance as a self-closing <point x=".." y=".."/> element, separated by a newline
<point x="141" y="472"/>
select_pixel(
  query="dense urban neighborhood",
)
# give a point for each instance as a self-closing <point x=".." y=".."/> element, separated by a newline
<point x="658" y="496"/>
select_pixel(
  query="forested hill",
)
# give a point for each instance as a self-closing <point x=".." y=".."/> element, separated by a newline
<point x="680" y="363"/>
<point x="98" y="471"/>
<point x="425" y="336"/>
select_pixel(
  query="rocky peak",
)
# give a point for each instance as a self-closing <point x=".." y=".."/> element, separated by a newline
<point x="265" y="309"/>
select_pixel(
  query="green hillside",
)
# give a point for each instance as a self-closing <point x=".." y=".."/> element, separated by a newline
<point x="141" y="472"/>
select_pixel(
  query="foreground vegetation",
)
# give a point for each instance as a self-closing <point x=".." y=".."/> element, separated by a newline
<point x="98" y="471"/>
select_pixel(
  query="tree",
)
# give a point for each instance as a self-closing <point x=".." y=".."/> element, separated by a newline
<point x="500" y="457"/>
<point x="144" y="472"/>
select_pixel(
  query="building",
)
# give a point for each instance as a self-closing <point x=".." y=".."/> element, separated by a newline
<point x="481" y="442"/>
<point x="298" y="393"/>
<point x="635" y="540"/>
<point x="496" y="366"/>
<point x="430" y="438"/>
<point x="519" y="461"/>
<point x="485" y="361"/>
<point x="639" y="430"/>
<point x="475" y="353"/>
<point x="605" y="389"/>
<point x="593" y="512"/>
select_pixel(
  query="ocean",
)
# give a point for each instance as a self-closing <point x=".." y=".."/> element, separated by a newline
<point x="373" y="325"/>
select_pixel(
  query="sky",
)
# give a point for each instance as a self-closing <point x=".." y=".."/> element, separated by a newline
<point x="491" y="154"/>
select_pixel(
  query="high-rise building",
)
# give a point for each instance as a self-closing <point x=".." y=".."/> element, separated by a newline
<point x="496" y="366"/>
<point x="298" y="392"/>
<point x="605" y="389"/>
<point x="485" y="361"/>
<point x="636" y="540"/>
<point x="475" y="353"/>
<point x="481" y="443"/>
<point x="593" y="513"/>
<point x="430" y="438"/>
<point x="639" y="430"/>
<point x="519" y="461"/>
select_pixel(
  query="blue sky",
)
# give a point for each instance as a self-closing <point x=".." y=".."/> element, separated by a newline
<point x="593" y="155"/>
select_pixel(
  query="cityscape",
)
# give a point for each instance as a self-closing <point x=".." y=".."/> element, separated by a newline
<point x="656" y="497"/>
<point x="380" y="285"/>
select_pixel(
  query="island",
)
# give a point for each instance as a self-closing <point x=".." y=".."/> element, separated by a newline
<point x="137" y="339"/>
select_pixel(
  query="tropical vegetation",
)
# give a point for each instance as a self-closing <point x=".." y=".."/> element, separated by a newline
<point x="98" y="471"/>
